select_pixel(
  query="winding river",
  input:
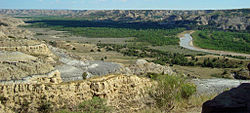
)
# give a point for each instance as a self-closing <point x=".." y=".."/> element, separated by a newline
<point x="187" y="42"/>
<point x="215" y="85"/>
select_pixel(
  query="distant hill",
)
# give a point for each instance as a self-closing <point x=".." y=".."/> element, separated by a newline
<point x="237" y="19"/>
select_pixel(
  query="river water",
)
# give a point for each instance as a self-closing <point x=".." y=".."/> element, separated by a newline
<point x="187" y="42"/>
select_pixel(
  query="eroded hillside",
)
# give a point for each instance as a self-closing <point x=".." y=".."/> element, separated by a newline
<point x="237" y="19"/>
<point x="29" y="76"/>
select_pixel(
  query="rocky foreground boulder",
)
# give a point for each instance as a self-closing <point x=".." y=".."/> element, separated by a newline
<point x="236" y="100"/>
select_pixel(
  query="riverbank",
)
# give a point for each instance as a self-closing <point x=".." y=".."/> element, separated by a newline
<point x="187" y="42"/>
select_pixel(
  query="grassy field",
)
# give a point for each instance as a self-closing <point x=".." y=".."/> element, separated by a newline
<point x="92" y="52"/>
<point x="199" y="72"/>
<point x="177" y="49"/>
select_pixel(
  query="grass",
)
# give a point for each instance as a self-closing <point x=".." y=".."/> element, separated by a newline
<point x="177" y="49"/>
<point x="94" y="105"/>
<point x="170" y="90"/>
<point x="84" y="50"/>
<point x="191" y="105"/>
<point x="199" y="72"/>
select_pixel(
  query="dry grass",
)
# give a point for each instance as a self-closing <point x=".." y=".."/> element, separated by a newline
<point x="191" y="105"/>
<point x="84" y="50"/>
<point x="200" y="72"/>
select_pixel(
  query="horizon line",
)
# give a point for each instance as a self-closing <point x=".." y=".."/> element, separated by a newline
<point x="132" y="9"/>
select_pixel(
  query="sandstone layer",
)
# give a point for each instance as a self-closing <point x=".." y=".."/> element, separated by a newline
<point x="22" y="58"/>
<point x="143" y="67"/>
<point x="124" y="93"/>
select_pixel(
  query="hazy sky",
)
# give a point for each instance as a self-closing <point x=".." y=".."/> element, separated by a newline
<point x="124" y="4"/>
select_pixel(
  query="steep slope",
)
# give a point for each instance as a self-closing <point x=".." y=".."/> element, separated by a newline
<point x="124" y="93"/>
<point x="22" y="58"/>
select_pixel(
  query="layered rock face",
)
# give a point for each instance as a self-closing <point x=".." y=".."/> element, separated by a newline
<point x="13" y="38"/>
<point x="126" y="93"/>
<point x="16" y="65"/>
<point x="236" y="100"/>
<point x="23" y="59"/>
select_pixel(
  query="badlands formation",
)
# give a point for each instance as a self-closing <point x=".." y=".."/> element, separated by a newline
<point x="32" y="72"/>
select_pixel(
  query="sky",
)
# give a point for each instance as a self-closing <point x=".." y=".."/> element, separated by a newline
<point x="124" y="4"/>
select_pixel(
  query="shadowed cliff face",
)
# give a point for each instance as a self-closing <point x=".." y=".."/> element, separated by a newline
<point x="223" y="19"/>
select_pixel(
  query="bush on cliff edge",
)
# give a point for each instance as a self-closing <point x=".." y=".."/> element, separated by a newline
<point x="171" y="89"/>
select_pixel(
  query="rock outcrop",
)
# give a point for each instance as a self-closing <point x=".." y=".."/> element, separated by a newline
<point x="143" y="67"/>
<point x="16" y="65"/>
<point x="8" y="21"/>
<point x="22" y="58"/>
<point x="124" y="93"/>
<point x="236" y="100"/>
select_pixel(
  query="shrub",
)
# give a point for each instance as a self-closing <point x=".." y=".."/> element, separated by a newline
<point x="187" y="90"/>
<point x="45" y="107"/>
<point x="84" y="75"/>
<point x="171" y="89"/>
<point x="3" y="99"/>
<point x="95" y="105"/>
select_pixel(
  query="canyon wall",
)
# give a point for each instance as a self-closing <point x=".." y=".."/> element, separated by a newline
<point x="126" y="93"/>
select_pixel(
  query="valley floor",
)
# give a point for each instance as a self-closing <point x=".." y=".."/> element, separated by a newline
<point x="187" y="42"/>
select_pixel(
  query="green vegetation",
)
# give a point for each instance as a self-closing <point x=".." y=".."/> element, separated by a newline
<point x="153" y="36"/>
<point x="143" y="33"/>
<point x="178" y="49"/>
<point x="171" y="89"/>
<point x="45" y="107"/>
<point x="3" y="99"/>
<point x="164" y="57"/>
<point x="223" y="40"/>
<point x="95" y="105"/>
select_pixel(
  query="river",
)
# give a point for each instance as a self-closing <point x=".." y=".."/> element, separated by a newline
<point x="187" y="42"/>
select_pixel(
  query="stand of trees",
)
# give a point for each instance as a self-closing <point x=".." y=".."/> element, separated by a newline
<point x="223" y="40"/>
<point x="163" y="58"/>
<point x="152" y="33"/>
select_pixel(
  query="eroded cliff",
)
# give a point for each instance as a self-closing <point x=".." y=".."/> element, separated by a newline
<point x="124" y="93"/>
